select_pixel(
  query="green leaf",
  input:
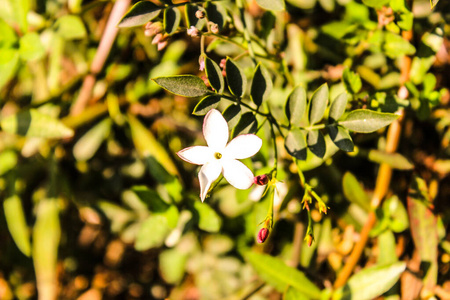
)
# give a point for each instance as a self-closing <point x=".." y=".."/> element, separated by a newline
<point x="398" y="216"/>
<point x="395" y="45"/>
<point x="191" y="18"/>
<point x="394" y="160"/>
<point x="354" y="192"/>
<point x="316" y="143"/>
<point x="152" y="232"/>
<point x="208" y="219"/>
<point x="172" y="18"/>
<point x="246" y="124"/>
<point x="337" y="107"/>
<point x="33" y="123"/>
<point x="20" y="11"/>
<point x="318" y="104"/>
<point x="183" y="85"/>
<point x="261" y="85"/>
<point x="296" y="105"/>
<point x="46" y="237"/>
<point x="295" y="144"/>
<point x="294" y="294"/>
<point x="8" y="161"/>
<point x="31" y="47"/>
<point x="151" y="198"/>
<point x="352" y="81"/>
<point x="386" y="241"/>
<point x="364" y="120"/>
<point x="172" y="265"/>
<point x="433" y="3"/>
<point x="9" y="67"/>
<point x="216" y="14"/>
<point x="423" y="224"/>
<point x="232" y="114"/>
<point x="89" y="143"/>
<point x="375" y="3"/>
<point x="8" y="37"/>
<point x="237" y="82"/>
<point x="276" y="273"/>
<point x="206" y="104"/>
<point x="148" y="147"/>
<point x="275" y="5"/>
<point x="370" y="283"/>
<point x="17" y="224"/>
<point x="341" y="138"/>
<point x="70" y="27"/>
<point x="141" y="13"/>
<point x="214" y="74"/>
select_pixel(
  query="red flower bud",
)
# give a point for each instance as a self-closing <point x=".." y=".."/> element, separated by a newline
<point x="262" y="235"/>
<point x="261" y="179"/>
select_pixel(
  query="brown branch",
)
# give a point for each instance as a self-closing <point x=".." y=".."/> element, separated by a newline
<point x="104" y="48"/>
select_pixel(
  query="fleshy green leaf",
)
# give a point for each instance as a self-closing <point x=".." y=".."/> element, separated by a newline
<point x="395" y="45"/>
<point x="247" y="124"/>
<point x="33" y="123"/>
<point x="206" y="104"/>
<point x="295" y="144"/>
<point x="296" y="105"/>
<point x="232" y="114"/>
<point x="191" y="19"/>
<point x="364" y="120"/>
<point x="46" y="237"/>
<point x="17" y="224"/>
<point x="172" y="18"/>
<point x="275" y="5"/>
<point x="370" y="283"/>
<point x="354" y="192"/>
<point x="316" y="143"/>
<point x="214" y="74"/>
<point x="208" y="219"/>
<point x="337" y="107"/>
<point x="152" y="232"/>
<point x="423" y="225"/>
<point x="31" y="47"/>
<point x="237" y="82"/>
<point x="352" y="81"/>
<point x="89" y="143"/>
<point x="318" y="104"/>
<point x="261" y="85"/>
<point x="8" y="161"/>
<point x="141" y="13"/>
<point x="341" y="138"/>
<point x="70" y="27"/>
<point x="276" y="273"/>
<point x="183" y="85"/>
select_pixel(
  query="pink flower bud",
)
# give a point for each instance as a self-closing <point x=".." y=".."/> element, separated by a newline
<point x="262" y="235"/>
<point x="261" y="179"/>
<point x="193" y="31"/>
<point x="309" y="239"/>
<point x="200" y="14"/>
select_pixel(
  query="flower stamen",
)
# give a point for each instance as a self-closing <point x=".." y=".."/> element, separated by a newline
<point x="218" y="155"/>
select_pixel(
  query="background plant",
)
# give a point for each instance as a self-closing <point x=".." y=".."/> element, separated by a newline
<point x="349" y="98"/>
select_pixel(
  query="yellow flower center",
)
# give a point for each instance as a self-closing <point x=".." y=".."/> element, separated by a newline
<point x="218" y="155"/>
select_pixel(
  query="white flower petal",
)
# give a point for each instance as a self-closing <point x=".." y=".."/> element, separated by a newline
<point x="207" y="175"/>
<point x="243" y="146"/>
<point x="237" y="174"/>
<point x="198" y="155"/>
<point x="215" y="130"/>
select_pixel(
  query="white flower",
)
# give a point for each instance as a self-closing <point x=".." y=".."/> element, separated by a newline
<point x="220" y="157"/>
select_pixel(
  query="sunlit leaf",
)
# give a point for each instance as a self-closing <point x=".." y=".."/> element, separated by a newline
<point x="341" y="138"/>
<point x="276" y="273"/>
<point x="8" y="67"/>
<point x="316" y="143"/>
<point x="394" y="160"/>
<point x="31" y="47"/>
<point x="364" y="120"/>
<point x="337" y="107"/>
<point x="172" y="18"/>
<point x="295" y="144"/>
<point x="70" y="27"/>
<point x="214" y="74"/>
<point x="152" y="232"/>
<point x="8" y="160"/>
<point x="208" y="219"/>
<point x="396" y="46"/>
<point x="370" y="283"/>
<point x="33" y="123"/>
<point x="375" y="3"/>
<point x="172" y="265"/>
<point x="17" y="224"/>
<point x="261" y="85"/>
<point x="271" y="5"/>
<point x="354" y="192"/>
<point x="183" y="85"/>
<point x="237" y="82"/>
<point x="318" y="104"/>
<point x="433" y="3"/>
<point x="352" y="81"/>
<point x="141" y="13"/>
<point x="294" y="294"/>
<point x="296" y="105"/>
<point x="89" y="143"/>
<point x="206" y="104"/>
<point x="247" y="124"/>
